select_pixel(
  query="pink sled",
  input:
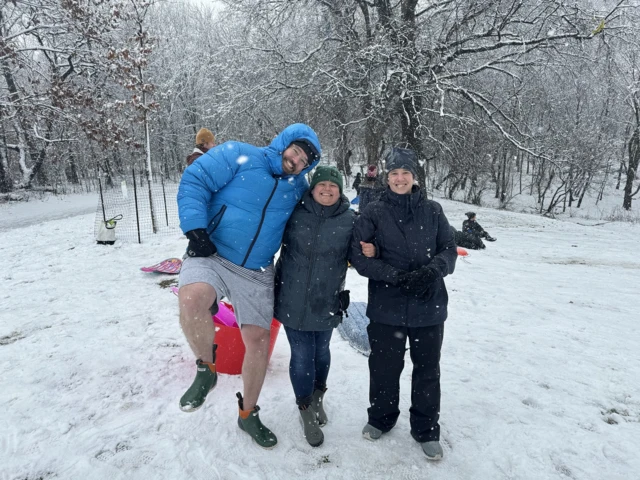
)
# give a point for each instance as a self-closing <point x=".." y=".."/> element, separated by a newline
<point x="225" y="315"/>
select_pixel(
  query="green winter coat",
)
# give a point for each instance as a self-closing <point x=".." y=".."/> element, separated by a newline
<point x="312" y="266"/>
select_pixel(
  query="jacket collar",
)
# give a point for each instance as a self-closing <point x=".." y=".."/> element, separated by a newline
<point x="412" y="199"/>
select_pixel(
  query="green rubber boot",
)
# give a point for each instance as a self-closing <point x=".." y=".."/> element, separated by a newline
<point x="254" y="427"/>
<point x="205" y="381"/>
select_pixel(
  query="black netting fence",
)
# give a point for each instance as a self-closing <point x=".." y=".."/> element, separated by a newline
<point x="146" y="210"/>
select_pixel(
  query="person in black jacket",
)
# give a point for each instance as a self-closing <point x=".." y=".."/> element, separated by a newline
<point x="415" y="250"/>
<point x="356" y="183"/>
<point x="467" y="240"/>
<point x="309" y="290"/>
<point x="472" y="227"/>
<point x="371" y="188"/>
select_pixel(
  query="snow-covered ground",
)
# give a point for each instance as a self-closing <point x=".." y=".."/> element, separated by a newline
<point x="51" y="207"/>
<point x="540" y="365"/>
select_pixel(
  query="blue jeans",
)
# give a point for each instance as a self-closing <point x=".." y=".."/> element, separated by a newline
<point x="310" y="362"/>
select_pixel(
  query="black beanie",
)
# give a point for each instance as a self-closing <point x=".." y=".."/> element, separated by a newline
<point x="308" y="148"/>
<point x="402" y="158"/>
<point x="470" y="215"/>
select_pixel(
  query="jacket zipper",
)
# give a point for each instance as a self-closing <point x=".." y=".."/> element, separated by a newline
<point x="311" y="265"/>
<point x="217" y="216"/>
<point x="264" y="213"/>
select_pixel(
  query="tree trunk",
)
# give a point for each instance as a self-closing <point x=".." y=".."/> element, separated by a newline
<point x="5" y="181"/>
<point x="36" y="169"/>
<point x="632" y="167"/>
<point x="72" y="174"/>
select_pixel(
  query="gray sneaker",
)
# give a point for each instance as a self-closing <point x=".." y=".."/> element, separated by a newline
<point x="432" y="450"/>
<point x="371" y="433"/>
<point x="312" y="431"/>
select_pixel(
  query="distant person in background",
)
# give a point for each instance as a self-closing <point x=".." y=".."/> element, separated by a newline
<point x="472" y="227"/>
<point x="204" y="141"/>
<point x="371" y="188"/>
<point x="356" y="183"/>
<point x="467" y="240"/>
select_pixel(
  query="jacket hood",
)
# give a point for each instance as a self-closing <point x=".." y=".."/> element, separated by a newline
<point x="297" y="131"/>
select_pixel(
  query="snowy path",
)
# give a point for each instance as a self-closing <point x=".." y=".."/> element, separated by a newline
<point x="23" y="214"/>
<point x="540" y="367"/>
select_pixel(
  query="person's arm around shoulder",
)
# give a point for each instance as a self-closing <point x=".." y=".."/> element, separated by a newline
<point x="370" y="267"/>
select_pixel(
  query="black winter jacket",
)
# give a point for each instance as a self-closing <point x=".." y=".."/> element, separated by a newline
<point x="467" y="240"/>
<point x="370" y="191"/>
<point x="357" y="182"/>
<point x="409" y="231"/>
<point x="312" y="266"/>
<point x="474" y="228"/>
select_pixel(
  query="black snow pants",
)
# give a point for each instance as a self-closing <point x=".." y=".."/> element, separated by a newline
<point x="388" y="347"/>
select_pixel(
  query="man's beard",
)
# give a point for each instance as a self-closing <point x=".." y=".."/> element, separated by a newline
<point x="288" y="166"/>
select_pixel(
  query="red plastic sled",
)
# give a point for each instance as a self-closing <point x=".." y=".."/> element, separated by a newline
<point x="462" y="252"/>
<point x="230" y="353"/>
<point x="170" y="265"/>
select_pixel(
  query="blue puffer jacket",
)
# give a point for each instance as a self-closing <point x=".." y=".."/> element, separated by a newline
<point x="240" y="194"/>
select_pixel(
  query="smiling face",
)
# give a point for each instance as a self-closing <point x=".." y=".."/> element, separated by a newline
<point x="326" y="193"/>
<point x="294" y="160"/>
<point x="400" y="181"/>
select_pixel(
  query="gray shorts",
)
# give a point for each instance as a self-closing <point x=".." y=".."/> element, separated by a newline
<point x="250" y="291"/>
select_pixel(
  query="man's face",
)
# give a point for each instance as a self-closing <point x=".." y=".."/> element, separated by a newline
<point x="400" y="181"/>
<point x="326" y="193"/>
<point x="294" y="160"/>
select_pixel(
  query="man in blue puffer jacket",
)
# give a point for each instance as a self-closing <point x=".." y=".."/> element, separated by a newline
<point x="234" y="202"/>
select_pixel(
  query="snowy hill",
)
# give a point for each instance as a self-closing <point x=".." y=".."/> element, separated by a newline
<point x="540" y="366"/>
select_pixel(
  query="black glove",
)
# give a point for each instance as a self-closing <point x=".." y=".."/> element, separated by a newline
<point x="343" y="296"/>
<point x="418" y="282"/>
<point x="200" y="245"/>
